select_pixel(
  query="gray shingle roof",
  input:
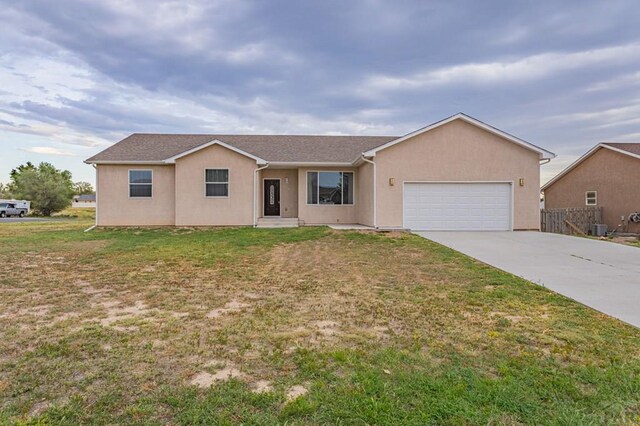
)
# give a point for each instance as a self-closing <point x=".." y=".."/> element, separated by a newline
<point x="633" y="148"/>
<point x="146" y="147"/>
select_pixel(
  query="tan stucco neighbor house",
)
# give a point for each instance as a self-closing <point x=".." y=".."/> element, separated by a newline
<point x="607" y="176"/>
<point x="456" y="174"/>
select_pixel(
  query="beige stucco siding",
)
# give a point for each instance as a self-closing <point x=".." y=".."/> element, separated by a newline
<point x="193" y="208"/>
<point x="458" y="151"/>
<point x="323" y="214"/>
<point x="288" y="191"/>
<point x="614" y="176"/>
<point x="115" y="208"/>
<point x="364" y="189"/>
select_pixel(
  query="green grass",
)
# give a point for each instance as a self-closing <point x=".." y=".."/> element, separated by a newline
<point x="111" y="326"/>
<point x="628" y="241"/>
<point x="79" y="213"/>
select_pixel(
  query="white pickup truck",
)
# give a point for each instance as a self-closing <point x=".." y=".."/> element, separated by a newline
<point x="14" y="208"/>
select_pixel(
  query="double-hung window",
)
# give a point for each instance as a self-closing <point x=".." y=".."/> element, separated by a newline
<point x="591" y="198"/>
<point x="216" y="182"/>
<point x="140" y="183"/>
<point x="330" y="188"/>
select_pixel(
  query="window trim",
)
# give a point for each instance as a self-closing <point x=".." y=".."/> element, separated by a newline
<point x="595" y="198"/>
<point x="228" y="182"/>
<point x="129" y="183"/>
<point x="306" y="188"/>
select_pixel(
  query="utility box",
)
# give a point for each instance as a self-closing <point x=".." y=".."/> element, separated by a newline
<point x="599" y="230"/>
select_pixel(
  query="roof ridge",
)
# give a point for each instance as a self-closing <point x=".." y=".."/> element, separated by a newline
<point x="261" y="134"/>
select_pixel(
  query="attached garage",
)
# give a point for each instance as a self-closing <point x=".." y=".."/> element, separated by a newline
<point x="457" y="206"/>
<point x="457" y="174"/>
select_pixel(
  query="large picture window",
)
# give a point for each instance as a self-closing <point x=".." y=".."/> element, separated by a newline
<point x="330" y="188"/>
<point x="216" y="182"/>
<point x="140" y="183"/>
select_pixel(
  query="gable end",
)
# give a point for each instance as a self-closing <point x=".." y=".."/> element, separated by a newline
<point x="544" y="154"/>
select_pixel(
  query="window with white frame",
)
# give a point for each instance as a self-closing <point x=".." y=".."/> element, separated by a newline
<point x="140" y="183"/>
<point x="591" y="198"/>
<point x="216" y="182"/>
<point x="330" y="188"/>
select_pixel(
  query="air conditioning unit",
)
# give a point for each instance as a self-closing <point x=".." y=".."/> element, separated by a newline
<point x="599" y="230"/>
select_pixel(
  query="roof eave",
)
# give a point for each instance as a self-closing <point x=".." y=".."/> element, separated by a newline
<point x="312" y="163"/>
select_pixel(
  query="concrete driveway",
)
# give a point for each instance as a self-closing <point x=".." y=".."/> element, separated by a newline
<point x="599" y="274"/>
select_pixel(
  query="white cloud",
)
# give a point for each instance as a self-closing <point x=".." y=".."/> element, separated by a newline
<point x="44" y="79"/>
<point x="511" y="71"/>
<point x="622" y="81"/>
<point x="47" y="150"/>
<point x="603" y="118"/>
<point x="628" y="137"/>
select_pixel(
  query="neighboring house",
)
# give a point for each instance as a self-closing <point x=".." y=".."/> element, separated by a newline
<point x="456" y="174"/>
<point x="84" y="201"/>
<point x="607" y="176"/>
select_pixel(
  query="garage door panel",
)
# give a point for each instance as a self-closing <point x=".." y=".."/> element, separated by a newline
<point x="457" y="206"/>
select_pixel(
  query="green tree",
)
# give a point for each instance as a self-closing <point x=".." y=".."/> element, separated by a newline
<point x="80" y="188"/>
<point x="4" y="191"/>
<point x="49" y="189"/>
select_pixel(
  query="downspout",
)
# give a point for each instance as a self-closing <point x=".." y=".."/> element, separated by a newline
<point x="545" y="161"/>
<point x="255" y="177"/>
<point x="375" y="205"/>
<point x="96" y="223"/>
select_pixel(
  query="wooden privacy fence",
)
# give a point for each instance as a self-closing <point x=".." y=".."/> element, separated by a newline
<point x="570" y="220"/>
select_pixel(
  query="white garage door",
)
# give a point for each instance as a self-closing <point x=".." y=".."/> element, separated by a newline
<point x="457" y="206"/>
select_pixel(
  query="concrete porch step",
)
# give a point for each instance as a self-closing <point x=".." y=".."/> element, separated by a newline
<point x="278" y="222"/>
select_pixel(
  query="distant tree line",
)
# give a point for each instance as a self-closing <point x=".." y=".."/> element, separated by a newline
<point x="49" y="189"/>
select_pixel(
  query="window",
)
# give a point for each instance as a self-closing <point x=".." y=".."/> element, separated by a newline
<point x="140" y="183"/>
<point x="591" y="198"/>
<point x="330" y="188"/>
<point x="216" y="182"/>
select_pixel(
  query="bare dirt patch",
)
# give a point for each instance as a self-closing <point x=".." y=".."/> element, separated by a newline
<point x="327" y="328"/>
<point x="233" y="306"/>
<point x="262" y="386"/>
<point x="114" y="315"/>
<point x="37" y="311"/>
<point x="39" y="408"/>
<point x="205" y="379"/>
<point x="296" y="392"/>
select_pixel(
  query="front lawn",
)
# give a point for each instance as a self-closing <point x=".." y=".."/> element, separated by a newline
<point x="305" y="326"/>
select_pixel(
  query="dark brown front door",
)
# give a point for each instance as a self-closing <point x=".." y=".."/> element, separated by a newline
<point x="272" y="197"/>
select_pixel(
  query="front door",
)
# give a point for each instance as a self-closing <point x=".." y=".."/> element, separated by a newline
<point x="272" y="197"/>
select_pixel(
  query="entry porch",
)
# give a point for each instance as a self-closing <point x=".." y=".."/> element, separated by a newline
<point x="289" y="197"/>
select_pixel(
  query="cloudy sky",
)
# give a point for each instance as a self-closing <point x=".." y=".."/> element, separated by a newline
<point x="77" y="76"/>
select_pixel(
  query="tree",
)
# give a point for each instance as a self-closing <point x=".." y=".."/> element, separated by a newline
<point x="80" y="188"/>
<point x="49" y="189"/>
<point x="4" y="191"/>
